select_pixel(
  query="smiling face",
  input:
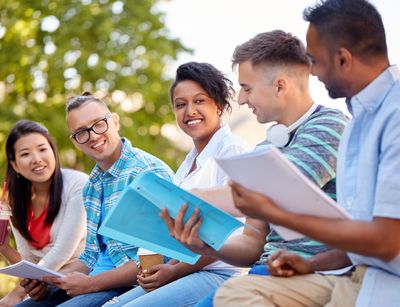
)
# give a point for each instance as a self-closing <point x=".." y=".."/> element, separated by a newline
<point x="196" y="113"/>
<point x="34" y="158"/>
<point x="104" y="148"/>
<point x="259" y="92"/>
<point x="323" y="64"/>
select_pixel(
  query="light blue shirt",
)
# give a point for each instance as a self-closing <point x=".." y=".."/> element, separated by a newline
<point x="368" y="175"/>
<point x="102" y="191"/>
<point x="104" y="262"/>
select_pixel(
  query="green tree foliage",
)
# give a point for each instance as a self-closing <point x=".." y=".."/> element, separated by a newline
<point x="52" y="49"/>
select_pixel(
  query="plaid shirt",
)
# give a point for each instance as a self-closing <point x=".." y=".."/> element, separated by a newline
<point x="103" y="189"/>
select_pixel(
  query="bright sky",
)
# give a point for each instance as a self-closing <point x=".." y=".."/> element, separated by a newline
<point x="213" y="28"/>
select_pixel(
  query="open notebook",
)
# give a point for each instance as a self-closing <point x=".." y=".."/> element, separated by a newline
<point x="269" y="172"/>
<point x="135" y="219"/>
<point x="26" y="269"/>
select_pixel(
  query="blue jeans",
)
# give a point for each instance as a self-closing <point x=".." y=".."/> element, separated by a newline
<point x="185" y="291"/>
<point x="258" y="269"/>
<point x="58" y="297"/>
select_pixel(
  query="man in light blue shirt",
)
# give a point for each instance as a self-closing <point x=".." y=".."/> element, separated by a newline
<point x="346" y="43"/>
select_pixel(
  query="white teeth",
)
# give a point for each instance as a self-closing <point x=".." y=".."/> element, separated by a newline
<point x="36" y="169"/>
<point x="98" y="144"/>
<point x="251" y="107"/>
<point x="193" y="122"/>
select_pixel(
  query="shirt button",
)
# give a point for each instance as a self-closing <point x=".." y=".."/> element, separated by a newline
<point x="97" y="214"/>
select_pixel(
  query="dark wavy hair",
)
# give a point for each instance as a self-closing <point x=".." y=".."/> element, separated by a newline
<point x="20" y="188"/>
<point x="352" y="24"/>
<point x="213" y="81"/>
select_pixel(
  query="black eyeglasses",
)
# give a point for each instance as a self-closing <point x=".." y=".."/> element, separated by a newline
<point x="99" y="127"/>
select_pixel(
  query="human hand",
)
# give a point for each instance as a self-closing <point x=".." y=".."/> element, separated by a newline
<point x="156" y="277"/>
<point x="187" y="233"/>
<point x="285" y="264"/>
<point x="74" y="283"/>
<point x="256" y="205"/>
<point x="36" y="289"/>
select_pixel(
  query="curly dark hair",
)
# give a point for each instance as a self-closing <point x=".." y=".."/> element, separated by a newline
<point x="213" y="81"/>
<point x="352" y="24"/>
<point x="19" y="188"/>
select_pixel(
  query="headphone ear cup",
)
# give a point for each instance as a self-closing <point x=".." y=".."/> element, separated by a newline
<point x="278" y="135"/>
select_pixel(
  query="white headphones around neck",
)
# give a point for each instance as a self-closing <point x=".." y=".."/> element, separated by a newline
<point x="279" y="134"/>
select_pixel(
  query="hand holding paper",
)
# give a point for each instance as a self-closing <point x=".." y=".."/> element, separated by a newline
<point x="270" y="173"/>
<point x="136" y="218"/>
<point x="187" y="233"/>
<point x="36" y="289"/>
<point x="74" y="283"/>
<point x="254" y="204"/>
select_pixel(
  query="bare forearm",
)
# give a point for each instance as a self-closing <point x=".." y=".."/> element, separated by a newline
<point x="245" y="249"/>
<point x="330" y="260"/>
<point x="11" y="255"/>
<point x="378" y="238"/>
<point x="239" y="251"/>
<point x="76" y="266"/>
<point x="19" y="291"/>
<point x="123" y="276"/>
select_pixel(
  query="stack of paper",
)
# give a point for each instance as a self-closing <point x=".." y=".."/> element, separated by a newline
<point x="269" y="172"/>
<point x="26" y="269"/>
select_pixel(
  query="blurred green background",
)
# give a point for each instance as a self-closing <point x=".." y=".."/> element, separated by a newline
<point x="119" y="50"/>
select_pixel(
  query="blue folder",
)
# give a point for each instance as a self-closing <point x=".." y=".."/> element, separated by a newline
<point x="135" y="219"/>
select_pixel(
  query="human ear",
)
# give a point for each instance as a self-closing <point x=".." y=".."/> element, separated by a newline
<point x="115" y="119"/>
<point x="343" y="58"/>
<point x="281" y="86"/>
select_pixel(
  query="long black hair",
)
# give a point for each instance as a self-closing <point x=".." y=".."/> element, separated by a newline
<point x="20" y="189"/>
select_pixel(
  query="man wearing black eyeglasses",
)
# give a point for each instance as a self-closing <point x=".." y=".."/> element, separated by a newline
<point x="106" y="268"/>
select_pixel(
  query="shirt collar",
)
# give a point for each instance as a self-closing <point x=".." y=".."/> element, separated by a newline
<point x="216" y="139"/>
<point x="371" y="97"/>
<point x="116" y="168"/>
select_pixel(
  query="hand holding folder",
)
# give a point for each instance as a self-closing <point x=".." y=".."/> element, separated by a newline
<point x="135" y="219"/>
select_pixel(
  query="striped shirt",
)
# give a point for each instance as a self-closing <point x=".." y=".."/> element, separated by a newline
<point x="313" y="149"/>
<point x="102" y="190"/>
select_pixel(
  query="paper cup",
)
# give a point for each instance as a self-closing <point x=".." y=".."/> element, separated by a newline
<point x="148" y="258"/>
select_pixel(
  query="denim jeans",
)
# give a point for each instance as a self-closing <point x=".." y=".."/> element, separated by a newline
<point x="185" y="291"/>
<point x="258" y="269"/>
<point x="58" y="297"/>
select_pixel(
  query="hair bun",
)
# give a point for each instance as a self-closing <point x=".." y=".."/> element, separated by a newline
<point x="87" y="93"/>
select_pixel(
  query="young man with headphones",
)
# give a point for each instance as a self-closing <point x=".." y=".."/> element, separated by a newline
<point x="273" y="74"/>
<point x="346" y="41"/>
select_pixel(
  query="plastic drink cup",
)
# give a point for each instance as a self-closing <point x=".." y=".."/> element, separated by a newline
<point x="5" y="214"/>
<point x="148" y="259"/>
